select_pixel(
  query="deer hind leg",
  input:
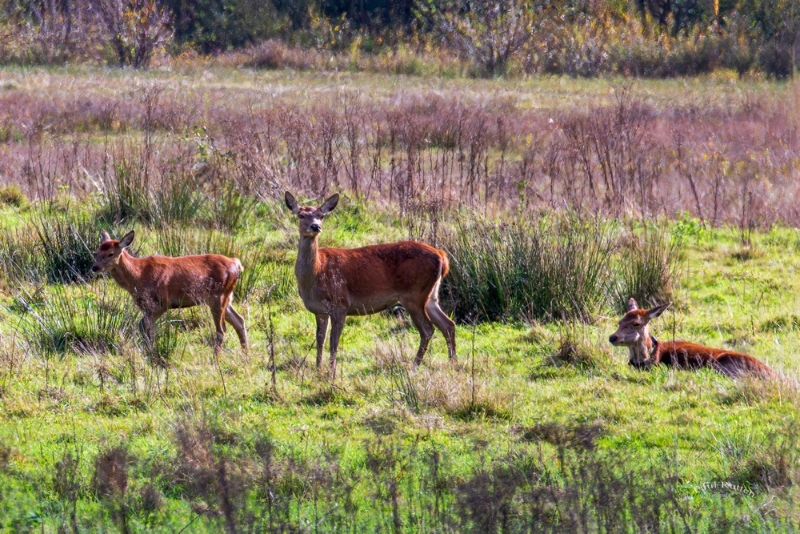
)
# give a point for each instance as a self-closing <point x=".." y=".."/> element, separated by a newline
<point x="423" y="323"/>
<point x="440" y="319"/>
<point x="322" y="330"/>
<point x="237" y="322"/>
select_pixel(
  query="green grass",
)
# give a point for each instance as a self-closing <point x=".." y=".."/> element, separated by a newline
<point x="548" y="399"/>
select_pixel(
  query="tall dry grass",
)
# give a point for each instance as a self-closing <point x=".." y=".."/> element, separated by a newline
<point x="725" y="161"/>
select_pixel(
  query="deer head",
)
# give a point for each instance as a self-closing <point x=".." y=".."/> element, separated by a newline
<point x="310" y="218"/>
<point x="633" y="332"/>
<point x="108" y="255"/>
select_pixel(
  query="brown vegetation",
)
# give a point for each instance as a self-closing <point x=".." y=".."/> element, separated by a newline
<point x="623" y="156"/>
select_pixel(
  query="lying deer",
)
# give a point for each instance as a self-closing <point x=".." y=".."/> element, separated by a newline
<point x="161" y="283"/>
<point x="336" y="282"/>
<point x="645" y="350"/>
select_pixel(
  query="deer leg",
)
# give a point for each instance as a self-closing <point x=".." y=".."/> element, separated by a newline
<point x="322" y="330"/>
<point x="445" y="325"/>
<point x="236" y="321"/>
<point x="424" y="326"/>
<point x="219" y="324"/>
<point x="147" y="326"/>
<point x="337" y="325"/>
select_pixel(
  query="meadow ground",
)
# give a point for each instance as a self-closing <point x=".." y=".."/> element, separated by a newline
<point x="540" y="426"/>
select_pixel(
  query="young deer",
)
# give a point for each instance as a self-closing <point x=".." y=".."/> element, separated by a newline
<point x="335" y="282"/>
<point x="645" y="350"/>
<point x="161" y="283"/>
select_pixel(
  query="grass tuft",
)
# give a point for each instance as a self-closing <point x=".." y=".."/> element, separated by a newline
<point x="551" y="270"/>
<point x="65" y="245"/>
<point x="646" y="268"/>
<point x="97" y="322"/>
<point x="572" y="349"/>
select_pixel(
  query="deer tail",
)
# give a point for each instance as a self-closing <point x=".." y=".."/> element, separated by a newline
<point x="445" y="264"/>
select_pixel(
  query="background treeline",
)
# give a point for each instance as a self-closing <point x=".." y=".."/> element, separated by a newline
<point x="655" y="38"/>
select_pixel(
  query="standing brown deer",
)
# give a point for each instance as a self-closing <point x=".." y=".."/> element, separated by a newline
<point x="645" y="350"/>
<point x="336" y="282"/>
<point x="161" y="283"/>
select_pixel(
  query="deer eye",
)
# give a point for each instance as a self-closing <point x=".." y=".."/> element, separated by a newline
<point x="301" y="216"/>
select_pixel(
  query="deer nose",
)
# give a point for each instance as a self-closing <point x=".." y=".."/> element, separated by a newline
<point x="612" y="339"/>
<point x="315" y="228"/>
<point x="95" y="268"/>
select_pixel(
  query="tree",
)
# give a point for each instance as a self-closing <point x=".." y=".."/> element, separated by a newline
<point x="134" y="29"/>
<point x="487" y="32"/>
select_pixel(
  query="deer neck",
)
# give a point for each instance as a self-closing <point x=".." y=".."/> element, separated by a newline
<point x="308" y="264"/>
<point x="127" y="272"/>
<point x="645" y="349"/>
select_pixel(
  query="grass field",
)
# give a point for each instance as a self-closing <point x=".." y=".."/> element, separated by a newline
<point x="540" y="426"/>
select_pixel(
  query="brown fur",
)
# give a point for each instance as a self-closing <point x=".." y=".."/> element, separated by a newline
<point x="161" y="283"/>
<point x="334" y="282"/>
<point x="645" y="350"/>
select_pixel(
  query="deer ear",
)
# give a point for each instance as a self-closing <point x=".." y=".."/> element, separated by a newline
<point x="657" y="311"/>
<point x="104" y="237"/>
<point x="632" y="305"/>
<point x="291" y="203"/>
<point x="127" y="240"/>
<point x="329" y="204"/>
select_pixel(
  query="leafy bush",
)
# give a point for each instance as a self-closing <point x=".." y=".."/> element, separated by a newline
<point x="554" y="269"/>
<point x="135" y="29"/>
<point x="12" y="195"/>
<point x="489" y="33"/>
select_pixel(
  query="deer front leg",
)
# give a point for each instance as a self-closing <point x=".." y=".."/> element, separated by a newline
<point x="337" y="325"/>
<point x="218" y="314"/>
<point x="147" y="327"/>
<point x="322" y="330"/>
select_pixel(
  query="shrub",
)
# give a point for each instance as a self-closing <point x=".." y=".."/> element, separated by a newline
<point x="135" y="29"/>
<point x="125" y="193"/>
<point x="12" y="195"/>
<point x="550" y="270"/>
<point x="489" y="33"/>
